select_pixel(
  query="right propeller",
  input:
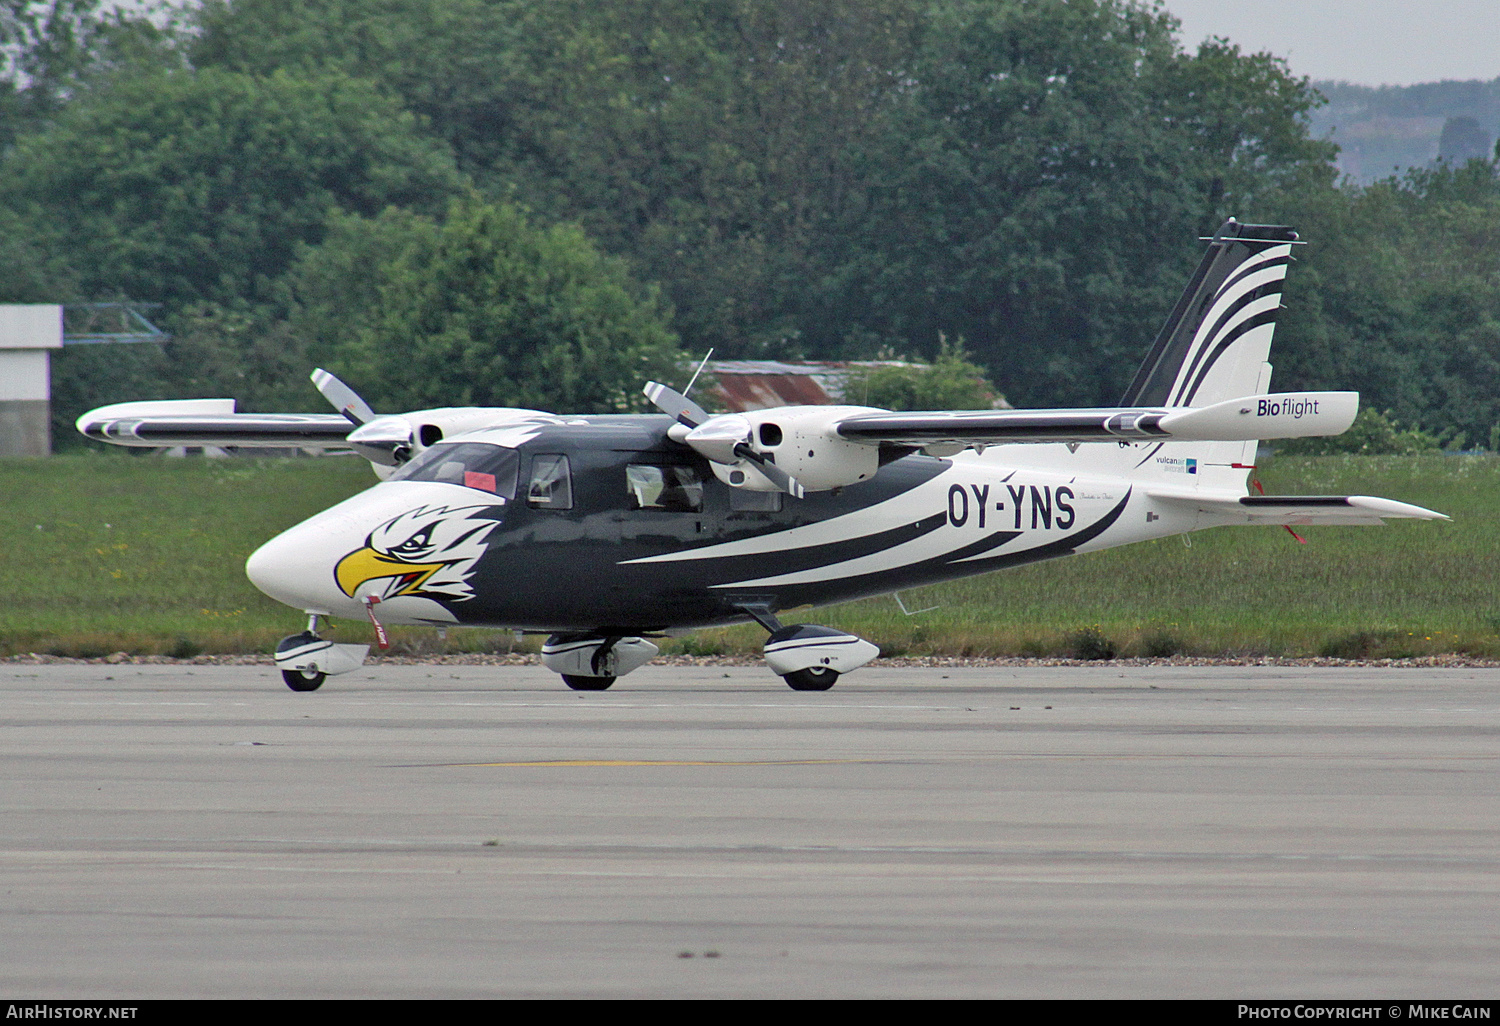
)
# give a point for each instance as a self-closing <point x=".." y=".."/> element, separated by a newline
<point x="675" y="404"/>
<point x="724" y="439"/>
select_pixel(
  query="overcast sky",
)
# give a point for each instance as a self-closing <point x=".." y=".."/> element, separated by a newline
<point x="1368" y="42"/>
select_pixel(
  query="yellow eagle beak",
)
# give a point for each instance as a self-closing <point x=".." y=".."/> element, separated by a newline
<point x="368" y="565"/>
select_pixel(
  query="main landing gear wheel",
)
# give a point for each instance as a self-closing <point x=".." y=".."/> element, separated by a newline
<point x="303" y="680"/>
<point x="814" y="678"/>
<point x="578" y="683"/>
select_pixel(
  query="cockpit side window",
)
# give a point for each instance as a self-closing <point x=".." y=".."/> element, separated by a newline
<point x="479" y="465"/>
<point x="665" y="486"/>
<point x="551" y="483"/>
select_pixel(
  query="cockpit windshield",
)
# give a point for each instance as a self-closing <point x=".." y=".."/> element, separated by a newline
<point x="489" y="468"/>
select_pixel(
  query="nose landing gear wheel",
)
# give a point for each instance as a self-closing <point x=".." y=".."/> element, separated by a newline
<point x="814" y="678"/>
<point x="578" y="683"/>
<point x="303" y="680"/>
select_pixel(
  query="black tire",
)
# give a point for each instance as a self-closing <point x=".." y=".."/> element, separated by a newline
<point x="303" y="680"/>
<point x="814" y="678"/>
<point x="578" y="683"/>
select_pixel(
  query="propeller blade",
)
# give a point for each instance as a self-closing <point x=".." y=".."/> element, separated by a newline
<point x="675" y="404"/>
<point x="778" y="477"/>
<point x="343" y="398"/>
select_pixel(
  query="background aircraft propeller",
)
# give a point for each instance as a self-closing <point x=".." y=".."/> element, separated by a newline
<point x="383" y="440"/>
<point x="343" y="398"/>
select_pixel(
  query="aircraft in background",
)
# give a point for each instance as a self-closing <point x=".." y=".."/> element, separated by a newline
<point x="606" y="531"/>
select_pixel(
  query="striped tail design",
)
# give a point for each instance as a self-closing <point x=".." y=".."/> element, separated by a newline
<point x="1214" y="345"/>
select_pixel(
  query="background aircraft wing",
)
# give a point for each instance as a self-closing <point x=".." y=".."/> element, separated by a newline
<point x="212" y="422"/>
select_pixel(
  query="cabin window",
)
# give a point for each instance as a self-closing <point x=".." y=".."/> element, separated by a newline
<point x="665" y="486"/>
<point x="551" y="483"/>
<point x="478" y="465"/>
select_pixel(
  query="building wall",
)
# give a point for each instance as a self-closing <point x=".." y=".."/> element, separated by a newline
<point x="28" y="333"/>
<point x="25" y="427"/>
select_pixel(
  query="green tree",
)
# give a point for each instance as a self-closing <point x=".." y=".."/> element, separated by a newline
<point x="51" y="50"/>
<point x="482" y="308"/>
<point x="715" y="143"/>
<point x="950" y="382"/>
<point x="707" y="141"/>
<point x="830" y="177"/>
<point x="1244" y="120"/>
<point x="1373" y="433"/>
<point x="1397" y="295"/>
<point x="446" y="61"/>
<point x="195" y="187"/>
<point x="1038" y="184"/>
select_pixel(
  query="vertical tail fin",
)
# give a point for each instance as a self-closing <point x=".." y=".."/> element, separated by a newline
<point x="1212" y="348"/>
<point x="1214" y="344"/>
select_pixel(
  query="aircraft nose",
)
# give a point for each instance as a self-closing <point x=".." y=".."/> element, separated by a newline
<point x="411" y="546"/>
<point x="296" y="567"/>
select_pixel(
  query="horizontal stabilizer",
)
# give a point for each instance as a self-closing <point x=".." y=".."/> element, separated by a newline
<point x="1332" y="510"/>
<point x="211" y="422"/>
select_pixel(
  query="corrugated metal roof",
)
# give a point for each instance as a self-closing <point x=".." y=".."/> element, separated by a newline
<point x="765" y="384"/>
<point x="741" y="392"/>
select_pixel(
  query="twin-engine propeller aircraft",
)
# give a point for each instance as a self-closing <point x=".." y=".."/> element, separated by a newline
<point x="605" y="531"/>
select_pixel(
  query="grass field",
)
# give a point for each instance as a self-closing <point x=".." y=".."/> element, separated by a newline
<point x="102" y="553"/>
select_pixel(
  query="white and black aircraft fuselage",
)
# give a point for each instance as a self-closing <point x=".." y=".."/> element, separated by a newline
<point x="603" y="531"/>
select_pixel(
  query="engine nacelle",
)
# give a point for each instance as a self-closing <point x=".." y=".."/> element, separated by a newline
<point x="388" y="442"/>
<point x="803" y="442"/>
<point x="432" y="426"/>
